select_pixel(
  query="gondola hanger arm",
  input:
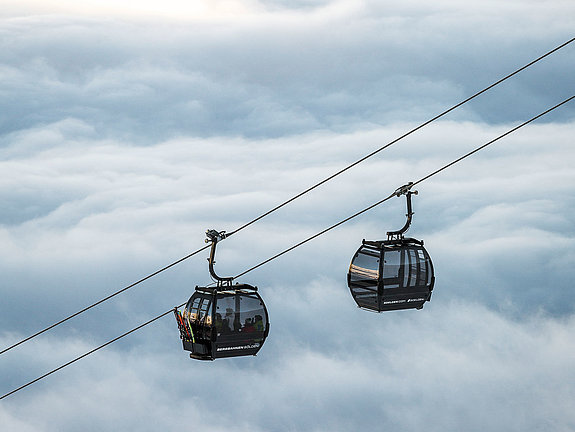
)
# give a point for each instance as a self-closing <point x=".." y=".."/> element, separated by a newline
<point x="403" y="190"/>
<point x="214" y="237"/>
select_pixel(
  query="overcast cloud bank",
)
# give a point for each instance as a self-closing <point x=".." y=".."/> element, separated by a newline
<point x="340" y="67"/>
<point x="126" y="133"/>
<point x="456" y="366"/>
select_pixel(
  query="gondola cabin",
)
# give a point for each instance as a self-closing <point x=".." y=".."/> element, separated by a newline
<point x="391" y="275"/>
<point x="217" y="324"/>
<point x="228" y="320"/>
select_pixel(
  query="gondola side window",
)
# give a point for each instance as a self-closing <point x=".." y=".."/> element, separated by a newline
<point x="205" y="312"/>
<point x="391" y="268"/>
<point x="226" y="312"/>
<point x="191" y="311"/>
<point x="423" y="268"/>
<point x="365" y="268"/>
<point x="413" y="267"/>
<point x="199" y="311"/>
<point x="252" y="315"/>
<point x="429" y="269"/>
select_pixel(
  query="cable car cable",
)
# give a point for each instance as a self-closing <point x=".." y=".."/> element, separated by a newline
<point x="315" y="236"/>
<point x="410" y="186"/>
<point x="302" y="242"/>
<point x="401" y="137"/>
<point x="491" y="142"/>
<point x="298" y="195"/>
<point x="103" y="300"/>
<point x="87" y="354"/>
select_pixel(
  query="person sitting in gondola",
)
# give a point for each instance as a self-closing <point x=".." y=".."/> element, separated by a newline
<point x="219" y="323"/>
<point x="259" y="324"/>
<point x="248" y="326"/>
<point x="228" y="321"/>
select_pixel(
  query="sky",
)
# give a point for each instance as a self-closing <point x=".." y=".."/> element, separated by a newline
<point x="129" y="128"/>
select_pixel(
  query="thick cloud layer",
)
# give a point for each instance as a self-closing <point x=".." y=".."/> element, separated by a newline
<point x="454" y="367"/>
<point x="340" y="67"/>
<point x="126" y="133"/>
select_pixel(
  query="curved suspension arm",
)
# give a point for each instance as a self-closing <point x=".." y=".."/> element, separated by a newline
<point x="214" y="237"/>
<point x="403" y="190"/>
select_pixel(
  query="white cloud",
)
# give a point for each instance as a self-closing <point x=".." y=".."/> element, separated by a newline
<point x="123" y="138"/>
<point x="273" y="75"/>
<point x="174" y="9"/>
<point x="455" y="365"/>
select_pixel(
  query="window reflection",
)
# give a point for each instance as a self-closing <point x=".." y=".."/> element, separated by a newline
<point x="391" y="264"/>
<point x="364" y="266"/>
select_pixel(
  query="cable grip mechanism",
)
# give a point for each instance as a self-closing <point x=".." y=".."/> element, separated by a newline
<point x="404" y="190"/>
<point x="215" y="236"/>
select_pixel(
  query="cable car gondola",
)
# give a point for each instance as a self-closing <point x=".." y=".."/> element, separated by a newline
<point x="392" y="274"/>
<point x="223" y="321"/>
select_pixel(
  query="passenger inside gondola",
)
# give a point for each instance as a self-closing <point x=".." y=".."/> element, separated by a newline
<point x="248" y="326"/>
<point x="226" y="329"/>
<point x="259" y="324"/>
<point x="228" y="321"/>
<point x="219" y="323"/>
<point x="225" y="321"/>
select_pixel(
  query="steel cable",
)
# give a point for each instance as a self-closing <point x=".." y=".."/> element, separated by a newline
<point x="38" y="333"/>
<point x="304" y="241"/>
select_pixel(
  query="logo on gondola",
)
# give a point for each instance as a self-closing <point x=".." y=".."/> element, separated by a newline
<point x="403" y="301"/>
<point x="240" y="347"/>
<point x="393" y="301"/>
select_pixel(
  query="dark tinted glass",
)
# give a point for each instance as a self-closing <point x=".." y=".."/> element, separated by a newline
<point x="412" y="256"/>
<point x="226" y="311"/>
<point x="365" y="297"/>
<point x="252" y="315"/>
<point x="392" y="268"/>
<point x="365" y="268"/>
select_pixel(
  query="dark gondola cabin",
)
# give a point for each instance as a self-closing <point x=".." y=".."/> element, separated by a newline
<point x="229" y="323"/>
<point x="223" y="321"/>
<point x="392" y="274"/>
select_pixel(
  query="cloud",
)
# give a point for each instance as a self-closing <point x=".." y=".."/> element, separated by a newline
<point x="275" y="74"/>
<point x="109" y="214"/>
<point x="170" y="9"/>
<point x="434" y="369"/>
<point x="123" y="138"/>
